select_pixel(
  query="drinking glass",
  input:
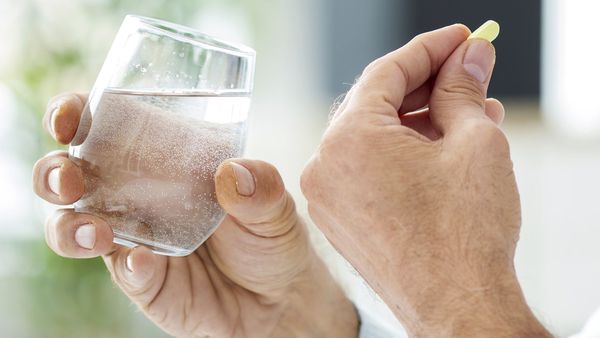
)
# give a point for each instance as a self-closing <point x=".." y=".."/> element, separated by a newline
<point x="169" y="105"/>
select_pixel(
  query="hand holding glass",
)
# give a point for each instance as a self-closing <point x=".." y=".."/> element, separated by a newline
<point x="170" y="104"/>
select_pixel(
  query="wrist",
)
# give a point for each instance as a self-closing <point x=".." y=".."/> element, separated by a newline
<point x="316" y="306"/>
<point x="500" y="310"/>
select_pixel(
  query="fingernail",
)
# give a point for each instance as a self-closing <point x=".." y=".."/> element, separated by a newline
<point x="85" y="236"/>
<point x="129" y="261"/>
<point x="479" y="59"/>
<point x="243" y="179"/>
<point x="54" y="180"/>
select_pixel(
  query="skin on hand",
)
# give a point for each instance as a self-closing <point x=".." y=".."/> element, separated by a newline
<point x="256" y="276"/>
<point x="414" y="185"/>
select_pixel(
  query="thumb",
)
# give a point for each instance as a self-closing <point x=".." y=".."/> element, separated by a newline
<point x="461" y="86"/>
<point x="262" y="244"/>
<point x="253" y="193"/>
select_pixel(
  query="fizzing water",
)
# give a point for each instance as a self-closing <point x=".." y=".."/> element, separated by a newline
<point x="148" y="161"/>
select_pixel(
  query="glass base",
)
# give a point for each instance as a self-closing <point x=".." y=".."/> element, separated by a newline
<point x="159" y="249"/>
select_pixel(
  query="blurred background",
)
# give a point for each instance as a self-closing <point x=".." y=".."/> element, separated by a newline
<point x="308" y="53"/>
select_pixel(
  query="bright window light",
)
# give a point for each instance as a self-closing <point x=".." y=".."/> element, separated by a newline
<point x="571" y="66"/>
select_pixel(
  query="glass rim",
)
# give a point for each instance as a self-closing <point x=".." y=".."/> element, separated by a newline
<point x="180" y="32"/>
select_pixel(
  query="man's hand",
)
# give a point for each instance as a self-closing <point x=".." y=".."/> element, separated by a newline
<point x="414" y="185"/>
<point x="257" y="276"/>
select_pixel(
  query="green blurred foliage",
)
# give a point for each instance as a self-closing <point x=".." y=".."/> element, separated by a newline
<point x="59" y="46"/>
<point x="71" y="298"/>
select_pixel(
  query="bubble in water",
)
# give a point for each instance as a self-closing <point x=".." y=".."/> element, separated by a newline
<point x="149" y="161"/>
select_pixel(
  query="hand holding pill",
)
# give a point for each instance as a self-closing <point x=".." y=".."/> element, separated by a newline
<point x="414" y="185"/>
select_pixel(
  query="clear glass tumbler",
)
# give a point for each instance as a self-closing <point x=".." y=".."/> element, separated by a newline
<point x="169" y="105"/>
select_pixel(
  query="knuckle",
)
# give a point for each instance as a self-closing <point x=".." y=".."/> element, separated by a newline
<point x="419" y="41"/>
<point x="280" y="223"/>
<point x="491" y="132"/>
<point x="463" y="89"/>
<point x="310" y="180"/>
<point x="337" y="105"/>
<point x="487" y="133"/>
<point x="420" y="37"/>
<point x="331" y="159"/>
<point x="374" y="65"/>
<point x="332" y="144"/>
<point x="307" y="179"/>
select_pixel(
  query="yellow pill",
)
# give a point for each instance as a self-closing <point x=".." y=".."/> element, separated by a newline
<point x="488" y="31"/>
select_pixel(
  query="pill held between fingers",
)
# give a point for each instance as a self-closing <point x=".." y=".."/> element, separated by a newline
<point x="488" y="31"/>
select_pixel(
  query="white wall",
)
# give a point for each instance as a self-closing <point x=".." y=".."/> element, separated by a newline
<point x="558" y="255"/>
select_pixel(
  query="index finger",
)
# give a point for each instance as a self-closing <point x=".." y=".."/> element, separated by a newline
<point x="62" y="116"/>
<point x="389" y="79"/>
